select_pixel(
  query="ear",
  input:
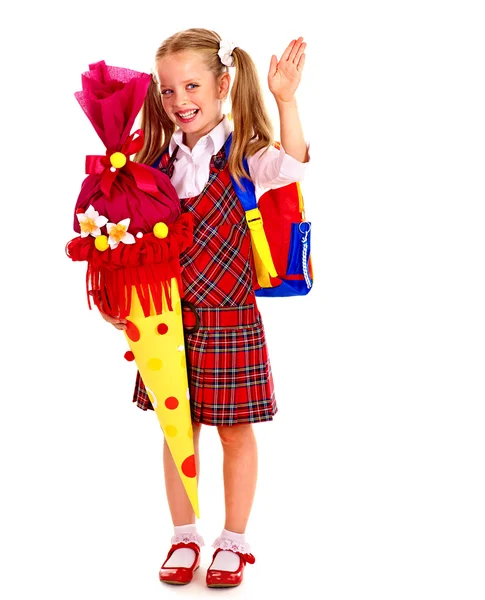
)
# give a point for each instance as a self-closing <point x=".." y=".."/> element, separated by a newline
<point x="223" y="85"/>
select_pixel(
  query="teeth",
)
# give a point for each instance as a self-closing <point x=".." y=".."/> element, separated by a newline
<point x="188" y="114"/>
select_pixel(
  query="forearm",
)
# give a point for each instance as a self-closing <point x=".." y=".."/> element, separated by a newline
<point x="291" y="132"/>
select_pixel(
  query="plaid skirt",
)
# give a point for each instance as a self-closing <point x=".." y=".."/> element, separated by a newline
<point x="229" y="371"/>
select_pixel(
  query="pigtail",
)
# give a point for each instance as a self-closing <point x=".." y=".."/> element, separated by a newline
<point x="252" y="126"/>
<point x="156" y="126"/>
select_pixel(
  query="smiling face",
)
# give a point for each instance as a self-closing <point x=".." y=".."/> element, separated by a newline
<point x="191" y="94"/>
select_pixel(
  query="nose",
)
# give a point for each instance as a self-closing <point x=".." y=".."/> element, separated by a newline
<point x="180" y="97"/>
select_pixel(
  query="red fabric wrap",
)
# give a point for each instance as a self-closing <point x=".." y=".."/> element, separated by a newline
<point x="112" y="97"/>
<point x="148" y="265"/>
<point x="142" y="174"/>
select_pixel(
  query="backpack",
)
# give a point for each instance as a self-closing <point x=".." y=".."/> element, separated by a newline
<point x="281" y="250"/>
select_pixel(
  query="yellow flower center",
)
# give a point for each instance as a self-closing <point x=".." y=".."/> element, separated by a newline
<point x="117" y="232"/>
<point x="88" y="225"/>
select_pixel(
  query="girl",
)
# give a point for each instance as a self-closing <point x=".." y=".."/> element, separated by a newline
<point x="231" y="385"/>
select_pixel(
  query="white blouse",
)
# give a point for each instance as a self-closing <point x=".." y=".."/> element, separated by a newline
<point x="268" y="169"/>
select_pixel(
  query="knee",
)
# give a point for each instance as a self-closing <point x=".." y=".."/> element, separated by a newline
<point x="235" y="435"/>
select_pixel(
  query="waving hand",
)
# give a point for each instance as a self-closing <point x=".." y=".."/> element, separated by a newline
<point x="284" y="75"/>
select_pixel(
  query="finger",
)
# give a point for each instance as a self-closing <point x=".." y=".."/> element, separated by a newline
<point x="288" y="50"/>
<point x="295" y="48"/>
<point x="273" y="66"/>
<point x="300" y="51"/>
<point x="301" y="62"/>
<point x="105" y="315"/>
<point x="113" y="320"/>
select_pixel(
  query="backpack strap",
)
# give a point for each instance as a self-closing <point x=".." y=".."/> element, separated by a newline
<point x="246" y="193"/>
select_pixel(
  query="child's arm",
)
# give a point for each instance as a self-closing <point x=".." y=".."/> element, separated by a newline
<point x="283" y="79"/>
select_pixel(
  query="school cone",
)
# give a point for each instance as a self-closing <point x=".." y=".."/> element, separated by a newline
<point x="157" y="346"/>
<point x="132" y="232"/>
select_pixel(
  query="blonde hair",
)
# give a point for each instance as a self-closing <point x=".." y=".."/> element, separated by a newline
<point x="252" y="126"/>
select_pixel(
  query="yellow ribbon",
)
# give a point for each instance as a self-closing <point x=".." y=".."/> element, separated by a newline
<point x="263" y="261"/>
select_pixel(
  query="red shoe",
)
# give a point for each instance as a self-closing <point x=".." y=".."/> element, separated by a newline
<point x="217" y="578"/>
<point x="180" y="575"/>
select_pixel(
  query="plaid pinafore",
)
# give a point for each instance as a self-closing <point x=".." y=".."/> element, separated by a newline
<point x="229" y="372"/>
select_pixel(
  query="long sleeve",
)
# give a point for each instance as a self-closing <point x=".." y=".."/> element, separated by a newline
<point x="273" y="168"/>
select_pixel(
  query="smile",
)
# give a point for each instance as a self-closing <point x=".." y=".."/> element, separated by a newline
<point x="187" y="115"/>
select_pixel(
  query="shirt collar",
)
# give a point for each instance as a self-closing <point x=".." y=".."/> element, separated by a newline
<point x="215" y="139"/>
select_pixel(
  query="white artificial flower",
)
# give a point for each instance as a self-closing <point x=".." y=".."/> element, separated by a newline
<point x="118" y="232"/>
<point x="90" y="222"/>
<point x="225" y="52"/>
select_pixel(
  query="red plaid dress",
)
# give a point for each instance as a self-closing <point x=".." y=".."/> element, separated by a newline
<point x="229" y="372"/>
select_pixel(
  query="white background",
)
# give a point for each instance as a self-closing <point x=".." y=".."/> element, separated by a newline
<point x="371" y="479"/>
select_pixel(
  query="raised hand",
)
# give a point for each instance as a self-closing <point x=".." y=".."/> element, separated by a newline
<point x="284" y="75"/>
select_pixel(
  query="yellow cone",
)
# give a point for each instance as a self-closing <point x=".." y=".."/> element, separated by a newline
<point x="157" y="343"/>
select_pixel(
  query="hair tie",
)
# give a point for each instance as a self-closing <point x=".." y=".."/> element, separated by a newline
<point x="225" y="52"/>
<point x="154" y="77"/>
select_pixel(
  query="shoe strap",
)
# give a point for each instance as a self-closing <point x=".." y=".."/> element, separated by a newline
<point x="245" y="557"/>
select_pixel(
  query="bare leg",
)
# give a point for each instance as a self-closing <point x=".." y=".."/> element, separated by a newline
<point x="178" y="501"/>
<point x="240" y="473"/>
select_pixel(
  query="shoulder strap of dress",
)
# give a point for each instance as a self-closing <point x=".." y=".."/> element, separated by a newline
<point x="165" y="162"/>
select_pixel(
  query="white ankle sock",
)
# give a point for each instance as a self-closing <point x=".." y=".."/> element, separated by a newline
<point x="228" y="560"/>
<point x="184" y="557"/>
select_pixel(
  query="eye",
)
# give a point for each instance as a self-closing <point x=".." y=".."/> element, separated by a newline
<point x="166" y="92"/>
<point x="192" y="86"/>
